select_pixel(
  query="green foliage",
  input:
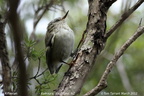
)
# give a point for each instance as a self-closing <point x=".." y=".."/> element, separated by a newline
<point x="46" y="83"/>
<point x="31" y="52"/>
<point x="44" y="79"/>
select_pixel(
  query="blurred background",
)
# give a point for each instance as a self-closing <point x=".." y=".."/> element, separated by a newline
<point x="126" y="76"/>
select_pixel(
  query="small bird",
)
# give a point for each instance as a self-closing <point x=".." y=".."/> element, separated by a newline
<point x="59" y="42"/>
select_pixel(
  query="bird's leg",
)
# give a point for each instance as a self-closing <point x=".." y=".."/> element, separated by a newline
<point x="65" y="62"/>
<point x="70" y="64"/>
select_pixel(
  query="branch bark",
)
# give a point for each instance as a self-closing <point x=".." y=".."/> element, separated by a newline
<point x="102" y="83"/>
<point x="6" y="70"/>
<point x="94" y="42"/>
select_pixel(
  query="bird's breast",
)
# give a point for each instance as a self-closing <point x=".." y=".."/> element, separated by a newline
<point x="63" y="43"/>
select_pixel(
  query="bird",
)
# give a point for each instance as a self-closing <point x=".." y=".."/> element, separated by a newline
<point x="59" y="42"/>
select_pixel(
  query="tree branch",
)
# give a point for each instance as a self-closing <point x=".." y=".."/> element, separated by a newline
<point x="94" y="42"/>
<point x="102" y="83"/>
<point x="38" y="15"/>
<point x="121" y="70"/>
<point x="45" y="9"/>
<point x="17" y="30"/>
<point x="124" y="16"/>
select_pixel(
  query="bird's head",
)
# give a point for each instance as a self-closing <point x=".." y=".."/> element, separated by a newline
<point x="58" y="20"/>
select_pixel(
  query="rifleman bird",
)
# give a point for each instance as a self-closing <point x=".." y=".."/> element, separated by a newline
<point x="59" y="42"/>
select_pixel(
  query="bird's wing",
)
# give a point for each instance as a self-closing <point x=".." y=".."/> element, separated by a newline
<point x="48" y="60"/>
<point x="48" y="43"/>
<point x="49" y="39"/>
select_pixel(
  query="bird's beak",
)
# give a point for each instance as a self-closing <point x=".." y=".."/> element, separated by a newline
<point x="65" y="15"/>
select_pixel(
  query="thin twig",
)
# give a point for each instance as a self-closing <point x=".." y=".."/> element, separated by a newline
<point x="37" y="81"/>
<point x="140" y="22"/>
<point x="39" y="74"/>
<point x="103" y="83"/>
<point x="124" y="16"/>
<point x="42" y="72"/>
<point x="38" y="16"/>
<point x="46" y="7"/>
<point x="38" y="67"/>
